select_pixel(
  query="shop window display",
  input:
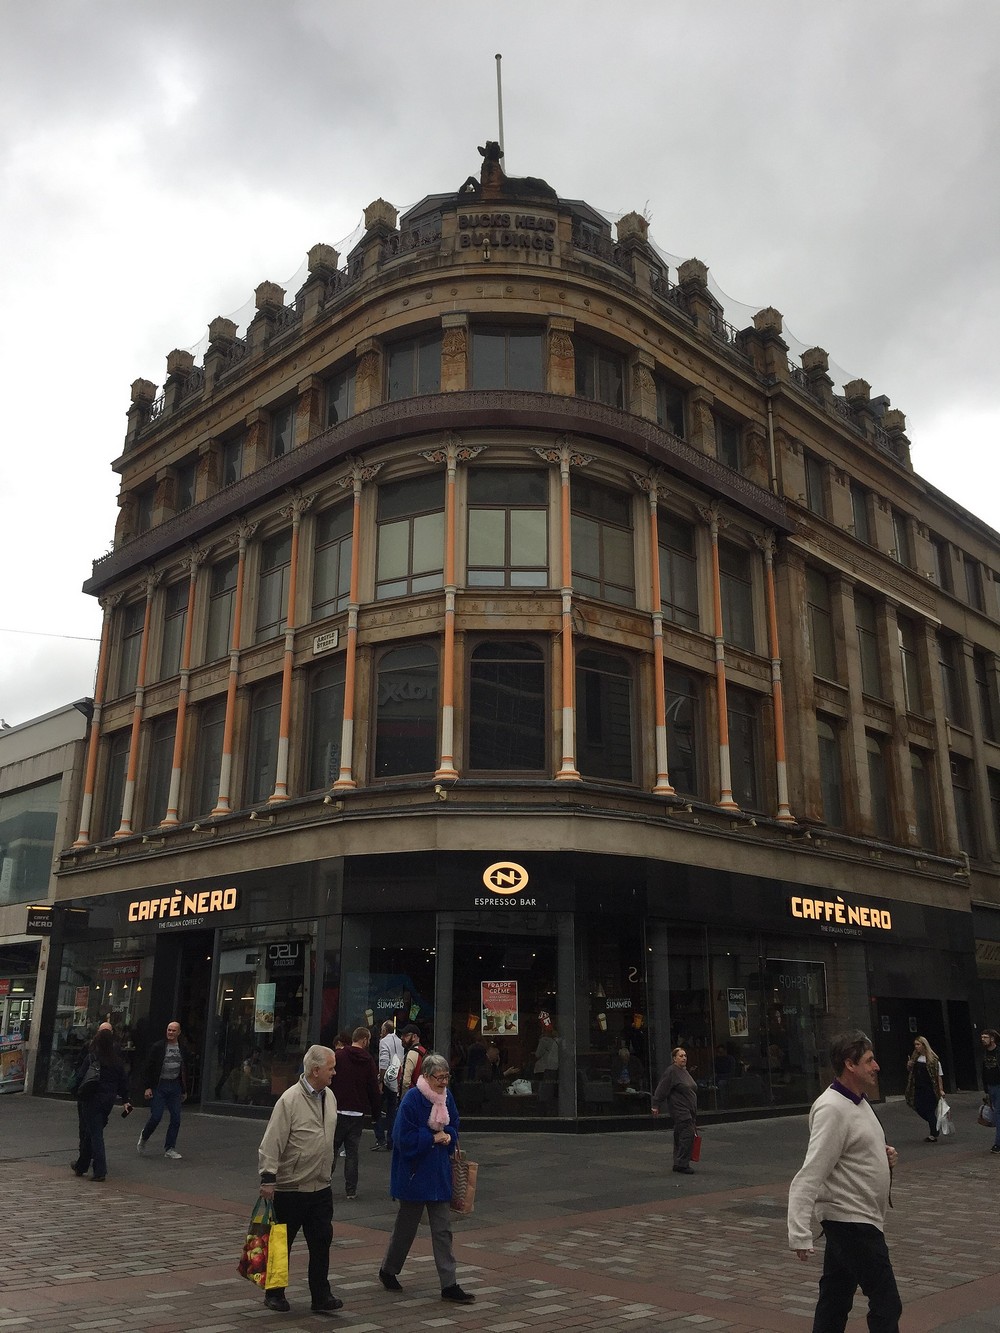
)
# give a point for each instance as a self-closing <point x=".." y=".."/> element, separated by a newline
<point x="613" y="1055"/>
<point x="388" y="973"/>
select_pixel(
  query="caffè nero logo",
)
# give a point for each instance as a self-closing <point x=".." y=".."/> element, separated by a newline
<point x="834" y="916"/>
<point x="507" y="879"/>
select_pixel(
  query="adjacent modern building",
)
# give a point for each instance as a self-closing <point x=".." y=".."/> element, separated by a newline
<point x="497" y="638"/>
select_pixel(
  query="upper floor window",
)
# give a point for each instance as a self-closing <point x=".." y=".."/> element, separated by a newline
<point x="340" y="395"/>
<point x="600" y="373"/>
<point x="410" y="536"/>
<point x="743" y="711"/>
<point x="861" y="513"/>
<point x="114" y="781"/>
<point x="332" y="566"/>
<point x="683" y="709"/>
<point x="262" y="741"/>
<point x="413" y="366"/>
<point x="736" y="587"/>
<point x="903" y="545"/>
<point x="185" y="478"/>
<point x="821" y="637"/>
<point x="815" y="475"/>
<point x="208" y="755"/>
<point x="159" y="763"/>
<point x="144" y="500"/>
<point x="272" y="590"/>
<point x="326" y="721"/>
<point x="986" y="688"/>
<point x="603" y="558"/>
<point x="941" y="552"/>
<point x="406" y="716"/>
<point x="831" y="778"/>
<point x="952" y="667"/>
<point x="910" y="662"/>
<point x="965" y="814"/>
<point x="604" y="716"/>
<point x="133" y="619"/>
<point x="29" y="820"/>
<point x="728" y="442"/>
<point x="507" y="707"/>
<point x="973" y="582"/>
<point x="868" y="645"/>
<point x="878" y="785"/>
<point x="670" y="407"/>
<point x="175" y="605"/>
<point x="923" y="806"/>
<point x="505" y="358"/>
<point x="993" y="777"/>
<point x="508" y="533"/>
<point x="221" y="603"/>
<point x="678" y="558"/>
<point x="231" y="463"/>
<point x="282" y="430"/>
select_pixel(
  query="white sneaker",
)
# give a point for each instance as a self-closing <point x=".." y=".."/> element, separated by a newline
<point x="342" y="1153"/>
<point x="173" y="1154"/>
<point x="141" y="1145"/>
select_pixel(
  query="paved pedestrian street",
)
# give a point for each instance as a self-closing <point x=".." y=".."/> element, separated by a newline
<point x="570" y="1232"/>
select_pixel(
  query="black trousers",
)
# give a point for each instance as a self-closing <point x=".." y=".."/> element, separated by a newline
<point x="313" y="1215"/>
<point x="856" y="1256"/>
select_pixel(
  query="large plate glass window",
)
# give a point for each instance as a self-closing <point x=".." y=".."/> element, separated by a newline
<point x="604" y="716"/>
<point x="603" y="556"/>
<point x="326" y="720"/>
<point x="272" y="590"/>
<point x="410" y="536"/>
<point x="505" y="358"/>
<point x="413" y="366"/>
<point x="332" y="564"/>
<point x="406" y="722"/>
<point x="507" y="707"/>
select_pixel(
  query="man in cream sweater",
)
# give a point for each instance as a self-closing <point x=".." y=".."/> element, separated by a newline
<point x="296" y="1161"/>
<point x="844" y="1184"/>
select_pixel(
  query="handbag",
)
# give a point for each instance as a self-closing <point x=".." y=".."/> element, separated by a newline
<point x="90" y="1080"/>
<point x="987" y="1116"/>
<point x="696" y="1147"/>
<point x="463" y="1183"/>
<point x="264" y="1260"/>
<point x="944" y="1124"/>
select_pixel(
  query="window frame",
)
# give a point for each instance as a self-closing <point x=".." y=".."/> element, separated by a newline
<point x="731" y="583"/>
<point x="869" y="646"/>
<point x="672" y="677"/>
<point x="346" y="377"/>
<point x="829" y="738"/>
<point x="281" y="429"/>
<point x="597" y="706"/>
<point x="526" y="332"/>
<point x="671" y="406"/>
<point x="593" y="362"/>
<point x="211" y="723"/>
<point x="431" y="741"/>
<point x="513" y="574"/>
<point x="336" y="550"/>
<point x="417" y="519"/>
<point x="225" y="596"/>
<point x="263" y="712"/>
<point x="424" y="376"/>
<point x="728" y="441"/>
<point x="679" y="571"/>
<point x="277" y="575"/>
<point x="158" y="768"/>
<point x="584" y="513"/>
<point x="814" y="476"/>
<point x="861" y="513"/>
<point x="327" y="679"/>
<point x="133" y="620"/>
<point x="822" y="636"/>
<point x="174" y="627"/>
<point x="745" y="705"/>
<point x="536" y="662"/>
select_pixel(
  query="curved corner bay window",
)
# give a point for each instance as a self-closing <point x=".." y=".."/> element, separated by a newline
<point x="678" y="570"/>
<point x="410" y="536"/>
<point x="683" y="697"/>
<point x="604" y="716"/>
<point x="413" y="366"/>
<point x="262" y="747"/>
<point x="272" y="593"/>
<point x="326" y="719"/>
<point x="332" y="567"/>
<point x="406" y="723"/>
<point x="507" y="707"/>
<point x="508" y="528"/>
<point x="601" y="525"/>
<point x="507" y="359"/>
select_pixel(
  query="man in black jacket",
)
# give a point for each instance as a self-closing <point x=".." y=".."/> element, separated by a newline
<point x="355" y="1086"/>
<point x="990" y="1039"/>
<point x="166" y="1079"/>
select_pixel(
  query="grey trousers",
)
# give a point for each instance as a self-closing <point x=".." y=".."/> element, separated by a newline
<point x="404" y="1233"/>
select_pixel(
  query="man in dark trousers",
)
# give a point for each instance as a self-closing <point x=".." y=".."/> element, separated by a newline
<point x="355" y="1085"/>
<point x="295" y="1161"/>
<point x="166" y="1078"/>
<point x="845" y="1183"/>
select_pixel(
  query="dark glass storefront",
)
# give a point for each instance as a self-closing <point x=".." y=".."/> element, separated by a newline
<point x="557" y="984"/>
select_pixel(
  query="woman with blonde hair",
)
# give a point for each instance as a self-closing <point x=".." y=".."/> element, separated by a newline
<point x="925" y="1085"/>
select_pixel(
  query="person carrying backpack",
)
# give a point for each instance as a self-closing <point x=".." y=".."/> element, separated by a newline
<point x="391" y="1055"/>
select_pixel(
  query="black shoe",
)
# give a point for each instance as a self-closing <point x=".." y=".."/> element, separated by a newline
<point x="684" y="1171"/>
<point x="456" y="1294"/>
<point x="76" y="1170"/>
<point x="328" y="1306"/>
<point x="98" y="1179"/>
<point x="389" y="1280"/>
<point x="274" y="1301"/>
<point x="995" y="1148"/>
<point x="377" y="1147"/>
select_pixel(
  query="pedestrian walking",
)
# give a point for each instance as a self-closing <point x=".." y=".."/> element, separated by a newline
<point x="990" y="1040"/>
<point x="101" y="1078"/>
<point x="845" y="1183"/>
<point x="925" y="1085"/>
<point x="167" y="1080"/>
<point x="390" y="1068"/>
<point x="410" y="1037"/>
<point x="295" y="1160"/>
<point x="424" y="1138"/>
<point x="355" y="1086"/>
<point x="678" y="1091"/>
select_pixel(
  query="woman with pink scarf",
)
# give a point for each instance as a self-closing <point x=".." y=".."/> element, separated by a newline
<point x="423" y="1139"/>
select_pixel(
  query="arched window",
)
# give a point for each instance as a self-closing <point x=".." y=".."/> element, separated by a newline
<point x="604" y="716"/>
<point x="406" y="716"/>
<point x="507" y="707"/>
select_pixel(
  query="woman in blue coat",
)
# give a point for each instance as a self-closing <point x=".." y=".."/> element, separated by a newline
<point x="424" y="1136"/>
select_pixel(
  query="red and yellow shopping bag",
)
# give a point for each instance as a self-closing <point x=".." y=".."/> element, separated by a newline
<point x="264" y="1260"/>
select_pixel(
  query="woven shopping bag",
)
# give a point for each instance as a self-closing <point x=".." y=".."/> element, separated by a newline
<point x="463" y="1183"/>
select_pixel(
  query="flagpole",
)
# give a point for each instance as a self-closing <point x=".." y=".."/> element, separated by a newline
<point x="500" y="101"/>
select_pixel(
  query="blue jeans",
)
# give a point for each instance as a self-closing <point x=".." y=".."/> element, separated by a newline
<point x="166" y="1097"/>
<point x="993" y="1091"/>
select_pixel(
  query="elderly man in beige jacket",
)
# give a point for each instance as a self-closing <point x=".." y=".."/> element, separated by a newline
<point x="296" y="1163"/>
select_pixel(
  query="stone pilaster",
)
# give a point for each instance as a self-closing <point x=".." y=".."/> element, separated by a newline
<point x="454" y="353"/>
<point x="561" y="361"/>
<point x="368" y="376"/>
<point x="642" y="390"/>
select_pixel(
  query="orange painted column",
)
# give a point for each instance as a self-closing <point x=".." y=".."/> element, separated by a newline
<point x="355" y="478"/>
<point x="222" y="805"/>
<point x="768" y="545"/>
<point x="567" y="458"/>
<point x="172" y="817"/>
<point x="124" y="829"/>
<point x="108" y="605"/>
<point x="725" y="801"/>
<point x="662" y="786"/>
<point x="294" y="511"/>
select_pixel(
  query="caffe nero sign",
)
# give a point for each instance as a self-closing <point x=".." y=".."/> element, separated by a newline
<point x="837" y="916"/>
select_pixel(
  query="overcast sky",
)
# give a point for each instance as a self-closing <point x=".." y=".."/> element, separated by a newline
<point x="158" y="161"/>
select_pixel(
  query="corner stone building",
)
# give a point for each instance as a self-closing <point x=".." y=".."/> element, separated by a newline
<point x="497" y="639"/>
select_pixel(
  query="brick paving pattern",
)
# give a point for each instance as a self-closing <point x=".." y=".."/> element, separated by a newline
<point x="146" y="1252"/>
